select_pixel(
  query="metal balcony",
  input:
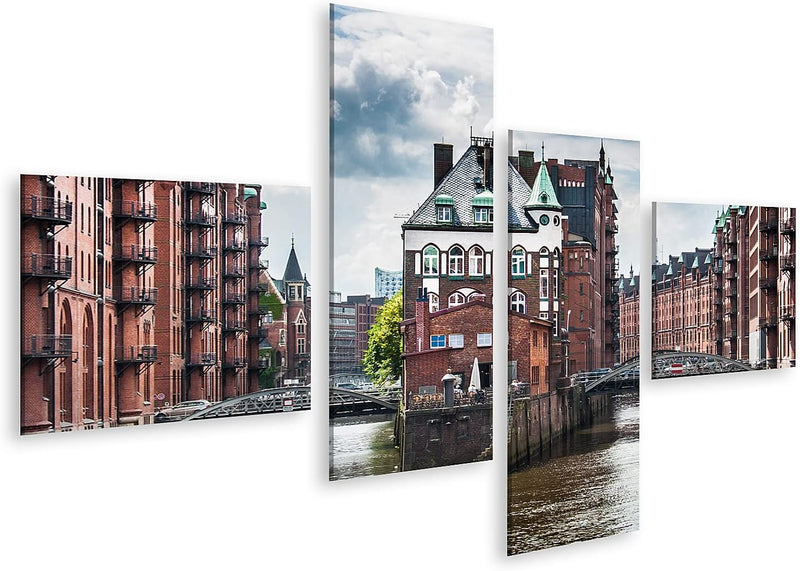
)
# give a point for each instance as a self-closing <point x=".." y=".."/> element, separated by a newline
<point x="235" y="363"/>
<point x="201" y="219"/>
<point x="208" y="188"/>
<point x="47" y="346"/>
<point x="787" y="263"/>
<point x="201" y="316"/>
<point x="145" y="211"/>
<point x="233" y="272"/>
<point x="233" y="326"/>
<point x="48" y="209"/>
<point x="767" y="283"/>
<point x="235" y="218"/>
<point x="768" y="225"/>
<point x="202" y="283"/>
<point x="259" y="242"/>
<point x="47" y="266"/>
<point x="207" y="252"/>
<point x="787" y="313"/>
<point x="137" y="295"/>
<point x="768" y="321"/>
<point x="787" y="226"/>
<point x="234" y="246"/>
<point x="202" y="360"/>
<point x="768" y="254"/>
<point x="234" y="298"/>
<point x="260" y="333"/>
<point x="137" y="254"/>
<point x="257" y="287"/>
<point x="611" y="228"/>
<point x="260" y="310"/>
<point x="135" y="354"/>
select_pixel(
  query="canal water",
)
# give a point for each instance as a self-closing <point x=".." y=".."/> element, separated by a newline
<point x="362" y="449"/>
<point x="586" y="486"/>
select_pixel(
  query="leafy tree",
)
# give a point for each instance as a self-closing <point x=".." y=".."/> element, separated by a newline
<point x="382" y="359"/>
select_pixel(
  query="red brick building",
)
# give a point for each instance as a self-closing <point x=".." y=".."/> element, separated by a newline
<point x="133" y="294"/>
<point x="628" y="317"/>
<point x="737" y="298"/>
<point x="453" y="338"/>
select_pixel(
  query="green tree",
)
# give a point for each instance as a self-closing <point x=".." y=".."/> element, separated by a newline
<point x="382" y="361"/>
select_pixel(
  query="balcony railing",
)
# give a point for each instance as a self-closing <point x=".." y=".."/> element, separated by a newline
<point x="787" y="263"/>
<point x="235" y="363"/>
<point x="202" y="360"/>
<point x="768" y="253"/>
<point x="201" y="187"/>
<point x="260" y="333"/>
<point x="768" y="225"/>
<point x="259" y="287"/>
<point x="48" y="346"/>
<point x="46" y="208"/>
<point x="235" y="218"/>
<point x="202" y="252"/>
<point x="234" y="298"/>
<point x="137" y="354"/>
<point x="787" y="226"/>
<point x="201" y="219"/>
<point x="768" y="321"/>
<point x="767" y="283"/>
<point x="233" y="325"/>
<point x="137" y="295"/>
<point x="260" y="310"/>
<point x="202" y="283"/>
<point x="47" y="266"/>
<point x="137" y="254"/>
<point x="233" y="272"/>
<point x="787" y="313"/>
<point x="137" y="210"/>
<point x="202" y="315"/>
<point x="260" y="242"/>
<point x="731" y="336"/>
<point x="234" y="245"/>
<point x="611" y="228"/>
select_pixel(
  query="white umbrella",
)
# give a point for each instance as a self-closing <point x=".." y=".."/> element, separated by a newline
<point x="475" y="378"/>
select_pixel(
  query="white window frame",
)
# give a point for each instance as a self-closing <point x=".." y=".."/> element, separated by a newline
<point x="430" y="261"/>
<point x="438" y="341"/>
<point x="455" y="299"/>
<point x="433" y="302"/>
<point x="518" y="300"/>
<point x="544" y="285"/>
<point x="456" y="263"/>
<point x="484" y="340"/>
<point x="444" y="213"/>
<point x="456" y="340"/>
<point x="476" y="261"/>
<point x="518" y="262"/>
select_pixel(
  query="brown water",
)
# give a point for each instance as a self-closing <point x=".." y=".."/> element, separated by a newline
<point x="586" y="486"/>
<point x="362" y="449"/>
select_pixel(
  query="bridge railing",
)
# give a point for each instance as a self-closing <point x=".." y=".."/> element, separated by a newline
<point x="436" y="400"/>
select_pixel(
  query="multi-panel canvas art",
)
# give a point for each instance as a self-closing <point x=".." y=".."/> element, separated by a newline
<point x="723" y="289"/>
<point x="152" y="301"/>
<point x="411" y="334"/>
<point x="573" y="304"/>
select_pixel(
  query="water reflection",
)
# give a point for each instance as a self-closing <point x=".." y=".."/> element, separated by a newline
<point x="362" y="449"/>
<point x="586" y="485"/>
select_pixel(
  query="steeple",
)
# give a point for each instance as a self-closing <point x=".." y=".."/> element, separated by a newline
<point x="602" y="156"/>
<point x="293" y="273"/>
<point x="543" y="194"/>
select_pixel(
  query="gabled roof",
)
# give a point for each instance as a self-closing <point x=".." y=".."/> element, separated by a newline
<point x="543" y="193"/>
<point x="461" y="185"/>
<point x="518" y="194"/>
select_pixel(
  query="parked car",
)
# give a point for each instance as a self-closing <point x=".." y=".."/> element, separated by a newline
<point x="181" y="410"/>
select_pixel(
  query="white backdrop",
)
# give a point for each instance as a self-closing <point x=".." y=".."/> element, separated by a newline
<point x="238" y="91"/>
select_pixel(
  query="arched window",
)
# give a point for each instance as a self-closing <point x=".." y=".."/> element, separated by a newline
<point x="456" y="298"/>
<point x="433" y="302"/>
<point x="456" y="261"/>
<point x="518" y="262"/>
<point x="475" y="261"/>
<point x="475" y="295"/>
<point x="544" y="286"/>
<point x="518" y="302"/>
<point x="430" y="261"/>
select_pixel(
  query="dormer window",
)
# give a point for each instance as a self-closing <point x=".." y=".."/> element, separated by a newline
<point x="444" y="208"/>
<point x="484" y="215"/>
<point x="482" y="208"/>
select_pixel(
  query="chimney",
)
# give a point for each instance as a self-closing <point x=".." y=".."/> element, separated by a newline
<point x="423" y="320"/>
<point x="442" y="161"/>
<point x="527" y="166"/>
<point x="487" y="165"/>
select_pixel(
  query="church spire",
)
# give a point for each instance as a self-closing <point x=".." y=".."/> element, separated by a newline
<point x="543" y="193"/>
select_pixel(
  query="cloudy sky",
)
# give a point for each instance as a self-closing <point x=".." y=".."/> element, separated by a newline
<point x="400" y="84"/>
<point x="288" y="211"/>
<point x="684" y="227"/>
<point x="624" y="159"/>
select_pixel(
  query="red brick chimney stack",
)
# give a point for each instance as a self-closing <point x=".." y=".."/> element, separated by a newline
<point x="442" y="161"/>
<point x="423" y="320"/>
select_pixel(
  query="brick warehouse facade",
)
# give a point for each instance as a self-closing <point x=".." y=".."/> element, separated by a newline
<point x="629" y="317"/>
<point x="587" y="254"/>
<point x="134" y="296"/>
<point x="737" y="298"/>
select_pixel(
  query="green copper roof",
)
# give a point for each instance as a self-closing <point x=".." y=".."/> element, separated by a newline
<point x="708" y="259"/>
<point x="543" y="194"/>
<point x="608" y="178"/>
<point x="695" y="264"/>
<point x="444" y="200"/>
<point x="263" y="205"/>
<point x="483" y="199"/>
<point x="250" y="193"/>
<point x="669" y="271"/>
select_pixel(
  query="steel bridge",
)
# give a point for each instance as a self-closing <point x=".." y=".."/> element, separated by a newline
<point x="345" y="402"/>
<point x="681" y="364"/>
<point x="283" y="399"/>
